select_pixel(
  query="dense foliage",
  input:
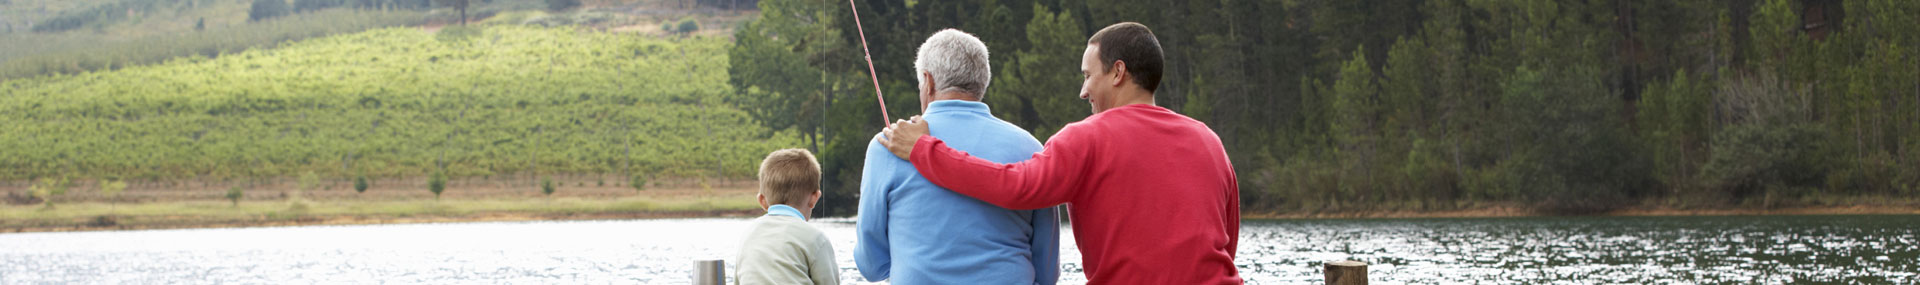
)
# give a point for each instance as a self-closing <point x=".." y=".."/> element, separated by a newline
<point x="1577" y="105"/>
<point x="393" y="102"/>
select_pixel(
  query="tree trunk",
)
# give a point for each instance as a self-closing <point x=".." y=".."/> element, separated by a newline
<point x="1684" y="171"/>
<point x="1739" y="12"/>
<point x="626" y="164"/>
<point x="1459" y="169"/>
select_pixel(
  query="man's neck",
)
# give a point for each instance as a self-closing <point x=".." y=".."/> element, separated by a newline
<point x="950" y="95"/>
<point x="1130" y="96"/>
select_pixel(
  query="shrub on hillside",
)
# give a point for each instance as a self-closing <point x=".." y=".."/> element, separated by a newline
<point x="437" y="183"/>
<point x="688" y="25"/>
<point x="546" y="186"/>
<point x="234" y="194"/>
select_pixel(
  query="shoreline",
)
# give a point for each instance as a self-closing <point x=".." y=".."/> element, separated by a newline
<point x="182" y="222"/>
<point x="471" y="203"/>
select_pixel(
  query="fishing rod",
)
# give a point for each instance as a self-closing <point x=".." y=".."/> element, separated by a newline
<point x="884" y="119"/>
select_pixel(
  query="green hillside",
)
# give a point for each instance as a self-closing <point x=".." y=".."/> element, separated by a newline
<point x="393" y="102"/>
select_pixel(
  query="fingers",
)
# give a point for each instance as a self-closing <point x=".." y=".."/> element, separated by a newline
<point x="895" y="125"/>
<point x="891" y="137"/>
<point x="914" y="125"/>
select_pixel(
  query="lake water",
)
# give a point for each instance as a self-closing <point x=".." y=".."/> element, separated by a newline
<point x="1845" y="249"/>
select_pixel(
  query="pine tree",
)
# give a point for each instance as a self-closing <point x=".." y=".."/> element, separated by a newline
<point x="1353" y="123"/>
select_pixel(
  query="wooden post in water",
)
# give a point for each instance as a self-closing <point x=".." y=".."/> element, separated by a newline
<point x="1346" y="272"/>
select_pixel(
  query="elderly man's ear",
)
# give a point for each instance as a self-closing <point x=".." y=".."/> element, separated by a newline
<point x="926" y="90"/>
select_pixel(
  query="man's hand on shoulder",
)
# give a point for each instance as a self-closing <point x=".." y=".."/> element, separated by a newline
<point x="900" y="136"/>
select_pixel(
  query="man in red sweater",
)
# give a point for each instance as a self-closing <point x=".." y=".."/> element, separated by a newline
<point x="1152" y="195"/>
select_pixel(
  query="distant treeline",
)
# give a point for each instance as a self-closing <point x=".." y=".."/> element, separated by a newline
<point x="122" y="33"/>
<point x="268" y="9"/>
<point x="52" y="54"/>
<point x="107" y="13"/>
<point x="1352" y="105"/>
<point x="122" y="10"/>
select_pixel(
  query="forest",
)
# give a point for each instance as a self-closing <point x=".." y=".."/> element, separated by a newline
<point x="1572" y="106"/>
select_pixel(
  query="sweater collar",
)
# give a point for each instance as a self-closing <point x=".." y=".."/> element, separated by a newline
<point x="958" y="106"/>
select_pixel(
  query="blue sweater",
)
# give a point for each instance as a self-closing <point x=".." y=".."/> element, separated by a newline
<point x="917" y="233"/>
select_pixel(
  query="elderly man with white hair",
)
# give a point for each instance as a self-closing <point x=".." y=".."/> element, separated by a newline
<point x="914" y="232"/>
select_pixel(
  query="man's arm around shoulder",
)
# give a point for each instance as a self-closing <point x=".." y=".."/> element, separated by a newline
<point x="1052" y="177"/>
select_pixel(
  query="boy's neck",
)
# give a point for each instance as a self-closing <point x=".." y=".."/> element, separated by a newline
<point x="782" y="209"/>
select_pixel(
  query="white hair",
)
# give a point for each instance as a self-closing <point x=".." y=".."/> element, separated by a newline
<point x="958" y="62"/>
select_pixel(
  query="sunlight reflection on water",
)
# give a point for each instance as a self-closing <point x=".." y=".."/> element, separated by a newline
<point x="1636" y="250"/>
<point x="1851" y="249"/>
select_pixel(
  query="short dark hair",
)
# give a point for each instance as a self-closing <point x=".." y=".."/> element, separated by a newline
<point x="1134" y="44"/>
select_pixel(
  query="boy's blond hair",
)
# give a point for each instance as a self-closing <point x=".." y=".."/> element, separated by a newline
<point x="789" y="176"/>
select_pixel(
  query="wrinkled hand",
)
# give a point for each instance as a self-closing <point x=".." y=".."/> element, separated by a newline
<point x="900" y="136"/>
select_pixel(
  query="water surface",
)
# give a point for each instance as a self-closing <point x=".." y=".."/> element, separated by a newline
<point x="1845" y="249"/>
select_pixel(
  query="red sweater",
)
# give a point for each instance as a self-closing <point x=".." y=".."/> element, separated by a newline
<point x="1151" y="193"/>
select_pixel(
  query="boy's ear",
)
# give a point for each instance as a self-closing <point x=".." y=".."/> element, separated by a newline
<point x="815" y="197"/>
<point x="763" y="201"/>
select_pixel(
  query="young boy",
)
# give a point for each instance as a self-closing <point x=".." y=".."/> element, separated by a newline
<point x="781" y="248"/>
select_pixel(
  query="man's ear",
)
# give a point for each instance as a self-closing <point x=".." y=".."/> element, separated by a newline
<point x="1120" y="74"/>
<point x="926" y="89"/>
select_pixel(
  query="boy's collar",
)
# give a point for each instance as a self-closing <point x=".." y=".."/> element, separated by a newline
<point x="784" y="210"/>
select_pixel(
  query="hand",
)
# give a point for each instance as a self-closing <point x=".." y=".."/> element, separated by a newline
<point x="900" y="136"/>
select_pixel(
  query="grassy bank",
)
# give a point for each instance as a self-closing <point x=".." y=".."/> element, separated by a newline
<point x="398" y="102"/>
